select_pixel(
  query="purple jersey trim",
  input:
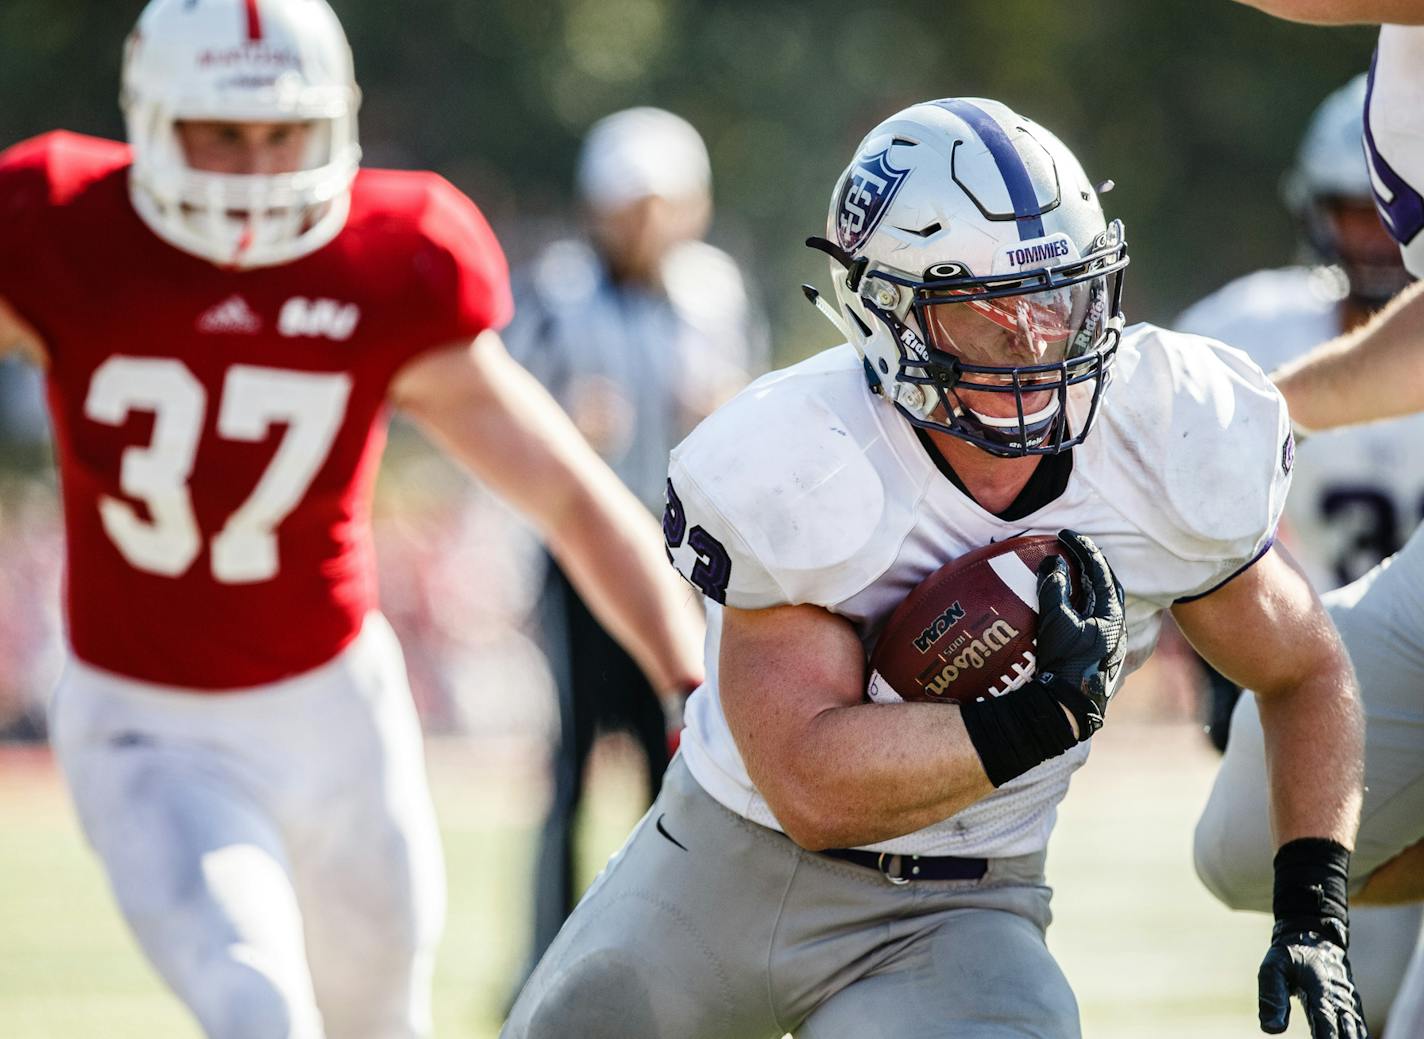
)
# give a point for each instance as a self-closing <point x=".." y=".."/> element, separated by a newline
<point x="1234" y="574"/>
<point x="1403" y="213"/>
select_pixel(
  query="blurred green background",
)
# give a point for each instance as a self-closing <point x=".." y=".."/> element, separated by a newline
<point x="1193" y="107"/>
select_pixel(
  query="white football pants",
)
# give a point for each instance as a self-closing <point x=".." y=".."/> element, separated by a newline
<point x="274" y="850"/>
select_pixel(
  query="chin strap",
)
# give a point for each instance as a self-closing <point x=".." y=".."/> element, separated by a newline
<point x="855" y="271"/>
<point x="828" y="313"/>
<point x="872" y="377"/>
<point x="855" y="268"/>
<point x="831" y="249"/>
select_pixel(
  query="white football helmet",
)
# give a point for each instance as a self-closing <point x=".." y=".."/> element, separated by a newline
<point x="969" y="253"/>
<point x="241" y="61"/>
<point x="1330" y="162"/>
<point x="1329" y="172"/>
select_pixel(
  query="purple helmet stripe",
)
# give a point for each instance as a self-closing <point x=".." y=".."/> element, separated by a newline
<point x="1027" y="213"/>
<point x="1403" y="211"/>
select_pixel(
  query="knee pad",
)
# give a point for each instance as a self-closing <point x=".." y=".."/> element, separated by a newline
<point x="1224" y="869"/>
<point x="1206" y="857"/>
<point x="602" y="996"/>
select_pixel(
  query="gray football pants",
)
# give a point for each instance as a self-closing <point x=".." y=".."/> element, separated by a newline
<point x="708" y="926"/>
<point x="1381" y="619"/>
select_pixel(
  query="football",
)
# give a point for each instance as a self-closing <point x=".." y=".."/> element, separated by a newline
<point x="968" y="629"/>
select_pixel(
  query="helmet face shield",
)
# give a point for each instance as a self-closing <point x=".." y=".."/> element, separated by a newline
<point x="1035" y="328"/>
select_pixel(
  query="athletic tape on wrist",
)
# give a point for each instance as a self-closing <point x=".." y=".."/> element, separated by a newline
<point x="1017" y="731"/>
<point x="1312" y="882"/>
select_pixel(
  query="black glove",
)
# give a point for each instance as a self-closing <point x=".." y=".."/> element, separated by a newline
<point x="1307" y="955"/>
<point x="1079" y="657"/>
<point x="1080" y="652"/>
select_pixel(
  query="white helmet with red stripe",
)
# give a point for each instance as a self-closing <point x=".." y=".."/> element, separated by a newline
<point x="971" y="257"/>
<point x="241" y="61"/>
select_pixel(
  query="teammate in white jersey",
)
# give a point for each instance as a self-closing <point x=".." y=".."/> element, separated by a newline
<point x="1354" y="496"/>
<point x="828" y="866"/>
<point x="1369" y="374"/>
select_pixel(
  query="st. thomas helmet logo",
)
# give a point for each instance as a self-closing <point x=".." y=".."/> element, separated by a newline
<point x="869" y="189"/>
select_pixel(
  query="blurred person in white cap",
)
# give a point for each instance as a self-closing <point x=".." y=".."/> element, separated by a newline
<point x="639" y="329"/>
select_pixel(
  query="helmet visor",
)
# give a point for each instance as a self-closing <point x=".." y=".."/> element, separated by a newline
<point x="1016" y="331"/>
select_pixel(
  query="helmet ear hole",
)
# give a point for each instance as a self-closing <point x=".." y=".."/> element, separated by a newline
<point x="913" y="397"/>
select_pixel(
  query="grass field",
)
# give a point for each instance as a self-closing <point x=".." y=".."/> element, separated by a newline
<point x="1150" y="955"/>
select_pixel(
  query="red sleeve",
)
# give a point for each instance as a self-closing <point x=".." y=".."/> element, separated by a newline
<point x="24" y="196"/>
<point x="470" y="283"/>
<point x="45" y="184"/>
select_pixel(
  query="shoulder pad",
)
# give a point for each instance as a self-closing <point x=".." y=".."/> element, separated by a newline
<point x="478" y="290"/>
<point x="44" y="182"/>
<point x="788" y="480"/>
<point x="432" y="250"/>
<point x="1394" y="138"/>
<point x="1201" y="450"/>
<point x="55" y="166"/>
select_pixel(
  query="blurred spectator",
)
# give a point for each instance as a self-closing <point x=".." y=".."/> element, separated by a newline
<point x="640" y="330"/>
<point x="22" y="414"/>
<point x="1356" y="495"/>
<point x="31" y="643"/>
<point x="31" y="639"/>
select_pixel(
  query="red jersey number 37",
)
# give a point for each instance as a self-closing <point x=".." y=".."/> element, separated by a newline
<point x="253" y="399"/>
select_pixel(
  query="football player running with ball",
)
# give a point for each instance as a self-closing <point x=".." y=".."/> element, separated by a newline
<point x="831" y="867"/>
<point x="226" y="310"/>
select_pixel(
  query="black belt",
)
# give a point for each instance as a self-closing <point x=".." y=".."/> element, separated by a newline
<point x="901" y="869"/>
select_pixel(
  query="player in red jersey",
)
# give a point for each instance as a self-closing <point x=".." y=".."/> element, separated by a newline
<point x="226" y="310"/>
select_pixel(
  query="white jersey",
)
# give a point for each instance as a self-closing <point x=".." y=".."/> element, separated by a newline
<point x="808" y="488"/>
<point x="1394" y="137"/>
<point x="1358" y="492"/>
